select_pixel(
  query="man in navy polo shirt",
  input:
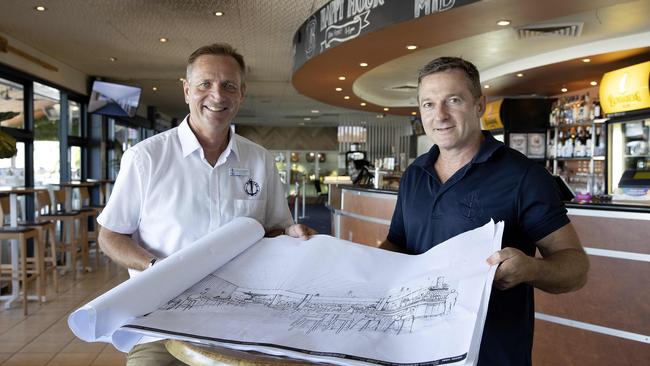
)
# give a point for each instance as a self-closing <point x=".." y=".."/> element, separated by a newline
<point x="468" y="178"/>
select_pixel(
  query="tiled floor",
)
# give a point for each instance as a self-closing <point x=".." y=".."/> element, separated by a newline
<point x="43" y="337"/>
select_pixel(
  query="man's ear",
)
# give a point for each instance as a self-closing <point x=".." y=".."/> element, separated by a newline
<point x="243" y="91"/>
<point x="186" y="91"/>
<point x="481" y="106"/>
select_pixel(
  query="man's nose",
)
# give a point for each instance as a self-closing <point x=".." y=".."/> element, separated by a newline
<point x="440" y="112"/>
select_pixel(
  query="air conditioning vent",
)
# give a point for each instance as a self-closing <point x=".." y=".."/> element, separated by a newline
<point x="562" y="30"/>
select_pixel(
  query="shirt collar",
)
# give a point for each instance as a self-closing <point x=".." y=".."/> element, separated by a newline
<point x="488" y="147"/>
<point x="189" y="142"/>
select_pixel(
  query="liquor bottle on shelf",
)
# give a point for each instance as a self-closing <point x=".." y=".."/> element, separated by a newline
<point x="596" y="109"/>
<point x="581" y="109"/>
<point x="588" y="142"/>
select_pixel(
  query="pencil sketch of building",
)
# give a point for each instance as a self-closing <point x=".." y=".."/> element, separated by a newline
<point x="308" y="312"/>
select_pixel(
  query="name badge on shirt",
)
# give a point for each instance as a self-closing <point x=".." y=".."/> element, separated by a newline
<point x="240" y="172"/>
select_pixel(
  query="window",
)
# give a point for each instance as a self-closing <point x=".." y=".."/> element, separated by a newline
<point x="47" y="109"/>
<point x="75" y="162"/>
<point x="12" y="170"/>
<point x="74" y="119"/>
<point x="11" y="104"/>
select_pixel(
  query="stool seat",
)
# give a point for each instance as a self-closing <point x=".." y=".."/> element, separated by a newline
<point x="8" y="229"/>
<point x="34" y="223"/>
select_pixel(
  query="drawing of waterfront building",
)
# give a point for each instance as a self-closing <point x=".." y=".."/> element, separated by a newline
<point x="311" y="312"/>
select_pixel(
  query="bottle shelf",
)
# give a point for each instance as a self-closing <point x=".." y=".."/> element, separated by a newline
<point x="574" y="158"/>
<point x="637" y="156"/>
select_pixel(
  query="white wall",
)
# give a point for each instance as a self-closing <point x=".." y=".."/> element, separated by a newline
<point x="424" y="144"/>
<point x="66" y="76"/>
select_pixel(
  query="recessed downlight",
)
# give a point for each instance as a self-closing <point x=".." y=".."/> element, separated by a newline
<point x="155" y="88"/>
<point x="363" y="104"/>
<point x="593" y="83"/>
<point x="363" y="64"/>
<point x="520" y="75"/>
<point x="411" y="47"/>
<point x="341" y="78"/>
<point x="40" y="8"/>
<point x="486" y="86"/>
<point x="163" y="39"/>
<point x="586" y="60"/>
<point x="414" y="113"/>
<point x="219" y="13"/>
<point x="112" y="59"/>
<point x="386" y="109"/>
<point x="503" y="22"/>
<point x="338" y="89"/>
<point x="564" y="90"/>
<point x="346" y="97"/>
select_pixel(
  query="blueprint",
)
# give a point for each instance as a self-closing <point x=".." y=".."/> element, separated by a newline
<point x="327" y="300"/>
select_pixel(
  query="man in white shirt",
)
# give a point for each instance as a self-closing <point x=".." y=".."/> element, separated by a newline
<point x="179" y="185"/>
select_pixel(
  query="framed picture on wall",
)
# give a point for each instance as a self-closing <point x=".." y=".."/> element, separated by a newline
<point x="519" y="142"/>
<point x="536" y="145"/>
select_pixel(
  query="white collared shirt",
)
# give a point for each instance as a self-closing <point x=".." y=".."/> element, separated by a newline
<point x="167" y="194"/>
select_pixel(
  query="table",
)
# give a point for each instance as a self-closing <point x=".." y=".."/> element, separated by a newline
<point x="201" y="355"/>
<point x="68" y="186"/>
<point x="13" y="215"/>
<point x="104" y="191"/>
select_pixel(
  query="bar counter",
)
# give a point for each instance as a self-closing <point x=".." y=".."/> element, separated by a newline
<point x="607" y="322"/>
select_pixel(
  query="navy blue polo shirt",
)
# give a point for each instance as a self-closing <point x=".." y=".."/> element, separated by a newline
<point x="501" y="184"/>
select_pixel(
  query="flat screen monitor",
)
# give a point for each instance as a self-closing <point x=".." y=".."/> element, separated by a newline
<point x="114" y="99"/>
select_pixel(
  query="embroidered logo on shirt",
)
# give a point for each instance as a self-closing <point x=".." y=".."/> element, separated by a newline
<point x="251" y="187"/>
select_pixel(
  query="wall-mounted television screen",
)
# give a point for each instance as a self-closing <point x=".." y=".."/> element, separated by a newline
<point x="114" y="99"/>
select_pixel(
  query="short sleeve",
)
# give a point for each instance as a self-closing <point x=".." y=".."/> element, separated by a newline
<point x="122" y="212"/>
<point x="541" y="211"/>
<point x="277" y="209"/>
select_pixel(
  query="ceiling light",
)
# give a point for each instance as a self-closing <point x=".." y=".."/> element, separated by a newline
<point x="346" y="97"/>
<point x="363" y="104"/>
<point x="112" y="59"/>
<point x="181" y="79"/>
<point x="218" y="13"/>
<point x="363" y="64"/>
<point x="163" y="39"/>
<point x="586" y="60"/>
<point x="503" y="22"/>
<point x="564" y="90"/>
<point x="386" y="109"/>
<point x="40" y="8"/>
<point x="155" y="88"/>
<point x="411" y="47"/>
<point x="314" y="111"/>
<point x="520" y="75"/>
<point x="414" y="113"/>
<point x="341" y="77"/>
<point x="339" y="89"/>
<point x="486" y="86"/>
<point x="307" y="118"/>
<point x="593" y="83"/>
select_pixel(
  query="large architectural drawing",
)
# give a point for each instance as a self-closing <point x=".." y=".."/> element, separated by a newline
<point x="405" y="310"/>
<point x="322" y="300"/>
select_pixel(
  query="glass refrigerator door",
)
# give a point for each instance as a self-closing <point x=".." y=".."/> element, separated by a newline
<point x="628" y="150"/>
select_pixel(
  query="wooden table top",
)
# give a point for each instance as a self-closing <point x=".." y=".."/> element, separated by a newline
<point x="22" y="190"/>
<point x="202" y="355"/>
<point x="75" y="184"/>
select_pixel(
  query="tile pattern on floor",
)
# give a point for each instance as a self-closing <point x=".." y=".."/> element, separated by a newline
<point x="43" y="338"/>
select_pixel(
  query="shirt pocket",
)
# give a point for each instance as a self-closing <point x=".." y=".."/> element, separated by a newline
<point x="255" y="209"/>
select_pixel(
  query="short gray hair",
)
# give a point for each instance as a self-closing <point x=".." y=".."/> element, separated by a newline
<point x="449" y="63"/>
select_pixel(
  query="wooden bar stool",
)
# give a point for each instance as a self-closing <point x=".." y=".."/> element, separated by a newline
<point x="29" y="267"/>
<point x="70" y="239"/>
<point x="92" y="230"/>
<point x="47" y="238"/>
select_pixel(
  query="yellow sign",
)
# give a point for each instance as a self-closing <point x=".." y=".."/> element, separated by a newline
<point x="625" y="89"/>
<point x="491" y="119"/>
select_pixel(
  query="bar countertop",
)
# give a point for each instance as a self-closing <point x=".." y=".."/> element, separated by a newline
<point x="604" y="206"/>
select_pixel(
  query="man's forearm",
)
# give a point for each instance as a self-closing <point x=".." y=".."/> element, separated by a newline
<point x="124" y="250"/>
<point x="562" y="271"/>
